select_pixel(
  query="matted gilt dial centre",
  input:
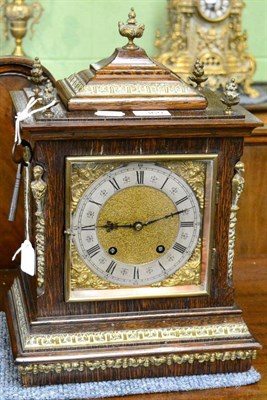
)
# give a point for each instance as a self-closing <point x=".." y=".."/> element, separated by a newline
<point x="128" y="212"/>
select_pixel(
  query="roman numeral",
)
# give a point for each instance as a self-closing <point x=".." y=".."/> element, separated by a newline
<point x="136" y="273"/>
<point x="181" y="200"/>
<point x="111" y="268"/>
<point x="140" y="177"/>
<point x="93" y="251"/>
<point x="161" y="266"/>
<point x="95" y="202"/>
<point x="114" y="183"/>
<point x="187" y="224"/>
<point x="88" y="228"/>
<point x="164" y="183"/>
<point x="179" y="247"/>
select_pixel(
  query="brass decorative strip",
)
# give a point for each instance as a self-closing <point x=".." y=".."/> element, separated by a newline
<point x="133" y="336"/>
<point x="129" y="89"/>
<point x="22" y="320"/>
<point x="133" y="362"/>
<point x="176" y="333"/>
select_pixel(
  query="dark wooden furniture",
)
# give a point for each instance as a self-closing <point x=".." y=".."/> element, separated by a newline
<point x="252" y="225"/>
<point x="14" y="73"/>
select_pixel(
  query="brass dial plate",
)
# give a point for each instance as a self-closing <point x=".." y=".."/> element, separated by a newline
<point x="148" y="255"/>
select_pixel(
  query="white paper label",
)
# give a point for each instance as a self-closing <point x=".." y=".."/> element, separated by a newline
<point x="151" y="113"/>
<point x="27" y="263"/>
<point x="109" y="113"/>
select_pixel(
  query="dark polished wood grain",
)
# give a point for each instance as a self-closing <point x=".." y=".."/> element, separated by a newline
<point x="251" y="230"/>
<point x="252" y="299"/>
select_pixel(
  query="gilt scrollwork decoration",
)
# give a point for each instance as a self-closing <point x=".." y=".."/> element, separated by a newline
<point x="137" y="362"/>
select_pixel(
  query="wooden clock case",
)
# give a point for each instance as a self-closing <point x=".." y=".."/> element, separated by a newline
<point x="55" y="341"/>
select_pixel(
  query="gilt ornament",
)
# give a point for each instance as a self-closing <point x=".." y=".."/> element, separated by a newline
<point x="210" y="31"/>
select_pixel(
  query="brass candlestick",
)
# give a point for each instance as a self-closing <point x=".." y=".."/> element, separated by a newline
<point x="16" y="15"/>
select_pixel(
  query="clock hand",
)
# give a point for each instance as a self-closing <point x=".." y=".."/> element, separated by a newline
<point x="165" y="217"/>
<point x="137" y="226"/>
<point x="110" y="226"/>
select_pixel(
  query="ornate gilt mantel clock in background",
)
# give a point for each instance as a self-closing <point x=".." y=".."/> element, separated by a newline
<point x="210" y="30"/>
<point x="133" y="216"/>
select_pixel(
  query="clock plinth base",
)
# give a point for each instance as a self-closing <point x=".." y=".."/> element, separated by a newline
<point x="39" y="374"/>
<point x="55" y="350"/>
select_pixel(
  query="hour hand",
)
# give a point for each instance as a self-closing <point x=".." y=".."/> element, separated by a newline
<point x="111" y="226"/>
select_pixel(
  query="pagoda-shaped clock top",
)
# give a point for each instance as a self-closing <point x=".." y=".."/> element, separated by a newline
<point x="131" y="30"/>
<point x="129" y="80"/>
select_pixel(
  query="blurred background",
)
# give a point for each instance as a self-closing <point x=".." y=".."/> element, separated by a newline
<point x="71" y="34"/>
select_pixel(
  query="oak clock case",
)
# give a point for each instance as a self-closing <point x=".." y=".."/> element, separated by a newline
<point x="142" y="222"/>
<point x="133" y="221"/>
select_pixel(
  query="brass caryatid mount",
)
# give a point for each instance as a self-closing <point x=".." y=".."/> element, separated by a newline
<point x="131" y="30"/>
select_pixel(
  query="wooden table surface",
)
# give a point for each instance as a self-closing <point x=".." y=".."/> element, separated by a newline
<point x="251" y="295"/>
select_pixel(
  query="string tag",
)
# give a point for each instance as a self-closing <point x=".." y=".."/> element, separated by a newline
<point x="27" y="263"/>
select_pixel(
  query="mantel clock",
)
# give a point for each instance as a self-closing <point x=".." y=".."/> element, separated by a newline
<point x="212" y="31"/>
<point x="135" y="180"/>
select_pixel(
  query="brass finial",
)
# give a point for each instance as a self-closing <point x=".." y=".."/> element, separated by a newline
<point x="198" y="76"/>
<point x="230" y="96"/>
<point x="37" y="76"/>
<point x="48" y="96"/>
<point x="131" y="30"/>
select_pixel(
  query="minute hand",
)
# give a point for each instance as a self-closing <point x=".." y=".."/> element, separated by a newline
<point x="165" y="217"/>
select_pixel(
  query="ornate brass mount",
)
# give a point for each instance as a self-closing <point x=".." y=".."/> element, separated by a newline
<point x="131" y="30"/>
<point x="230" y="96"/>
<point x="221" y="46"/>
<point x="16" y="16"/>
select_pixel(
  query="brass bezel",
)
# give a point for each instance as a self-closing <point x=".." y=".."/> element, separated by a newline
<point x="203" y="288"/>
